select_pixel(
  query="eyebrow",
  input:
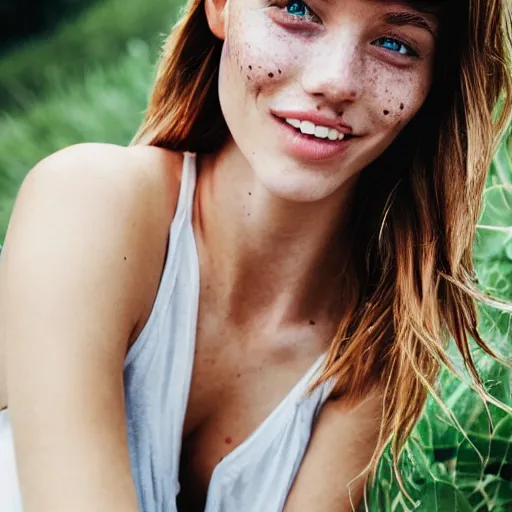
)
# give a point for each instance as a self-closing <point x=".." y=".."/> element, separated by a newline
<point x="401" y="19"/>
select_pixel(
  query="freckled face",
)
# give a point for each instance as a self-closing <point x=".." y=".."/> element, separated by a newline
<point x="354" y="62"/>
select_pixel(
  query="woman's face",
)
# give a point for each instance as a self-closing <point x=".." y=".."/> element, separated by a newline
<point x="354" y="72"/>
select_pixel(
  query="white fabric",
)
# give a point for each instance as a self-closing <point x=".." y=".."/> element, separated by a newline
<point x="258" y="474"/>
<point x="10" y="498"/>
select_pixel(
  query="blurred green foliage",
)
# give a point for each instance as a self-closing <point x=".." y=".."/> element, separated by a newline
<point x="95" y="41"/>
<point x="90" y="82"/>
<point x="25" y="19"/>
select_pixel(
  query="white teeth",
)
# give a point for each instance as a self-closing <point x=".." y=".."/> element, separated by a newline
<point x="333" y="134"/>
<point x="322" y="132"/>
<point x="294" y="122"/>
<point x="307" y="127"/>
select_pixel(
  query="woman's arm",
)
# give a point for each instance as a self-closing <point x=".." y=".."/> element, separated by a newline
<point x="341" y="446"/>
<point x="68" y="304"/>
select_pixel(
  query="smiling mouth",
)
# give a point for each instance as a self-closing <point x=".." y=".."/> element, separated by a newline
<point x="314" y="146"/>
<point x="315" y="132"/>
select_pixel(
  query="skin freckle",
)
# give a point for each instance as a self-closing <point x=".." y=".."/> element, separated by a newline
<point x="401" y="106"/>
<point x="228" y="440"/>
<point x="386" y="112"/>
<point x="271" y="75"/>
<point x="250" y="67"/>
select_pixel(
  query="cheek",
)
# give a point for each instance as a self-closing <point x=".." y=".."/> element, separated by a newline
<point x="396" y="97"/>
<point x="257" y="52"/>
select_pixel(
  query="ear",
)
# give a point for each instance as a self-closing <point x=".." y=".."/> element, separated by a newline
<point x="216" y="14"/>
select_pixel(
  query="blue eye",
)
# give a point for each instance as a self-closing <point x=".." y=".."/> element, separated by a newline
<point x="395" y="46"/>
<point x="300" y="9"/>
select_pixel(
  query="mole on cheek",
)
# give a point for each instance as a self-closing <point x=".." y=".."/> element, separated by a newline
<point x="401" y="106"/>
<point x="386" y="112"/>
<point x="271" y="75"/>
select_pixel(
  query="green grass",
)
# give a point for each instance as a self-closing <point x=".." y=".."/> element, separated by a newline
<point x="90" y="81"/>
<point x="106" y="107"/>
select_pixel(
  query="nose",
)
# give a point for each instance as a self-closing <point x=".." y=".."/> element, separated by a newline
<point x="334" y="70"/>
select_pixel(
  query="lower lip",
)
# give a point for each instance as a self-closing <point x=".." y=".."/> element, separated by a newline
<point x="308" y="147"/>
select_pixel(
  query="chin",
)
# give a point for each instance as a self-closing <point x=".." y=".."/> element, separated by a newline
<point x="299" y="183"/>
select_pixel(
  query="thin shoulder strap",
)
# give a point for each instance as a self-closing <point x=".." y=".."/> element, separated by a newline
<point x="187" y="187"/>
<point x="179" y="225"/>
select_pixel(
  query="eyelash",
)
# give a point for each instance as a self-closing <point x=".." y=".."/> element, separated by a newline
<point x="398" y="39"/>
<point x="389" y="37"/>
<point x="296" y="19"/>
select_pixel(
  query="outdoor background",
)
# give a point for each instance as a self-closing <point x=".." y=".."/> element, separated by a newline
<point x="78" y="70"/>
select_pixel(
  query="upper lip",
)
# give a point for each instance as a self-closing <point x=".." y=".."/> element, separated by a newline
<point x="315" y="118"/>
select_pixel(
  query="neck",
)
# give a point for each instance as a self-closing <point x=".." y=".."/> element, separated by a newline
<point x="263" y="257"/>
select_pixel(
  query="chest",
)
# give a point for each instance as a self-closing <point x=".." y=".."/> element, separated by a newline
<point x="238" y="380"/>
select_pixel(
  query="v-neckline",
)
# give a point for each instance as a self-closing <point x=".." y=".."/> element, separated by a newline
<point x="293" y="396"/>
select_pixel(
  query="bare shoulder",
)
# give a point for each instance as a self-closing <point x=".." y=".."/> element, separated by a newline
<point x="130" y="172"/>
<point x="96" y="210"/>
<point x="118" y="199"/>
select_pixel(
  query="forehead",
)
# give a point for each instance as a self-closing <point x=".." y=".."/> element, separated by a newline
<point x="421" y="13"/>
<point x="432" y="7"/>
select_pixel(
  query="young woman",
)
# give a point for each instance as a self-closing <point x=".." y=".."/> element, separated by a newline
<point x="238" y="311"/>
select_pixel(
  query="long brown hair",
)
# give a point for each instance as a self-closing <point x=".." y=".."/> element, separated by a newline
<point x="412" y="285"/>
